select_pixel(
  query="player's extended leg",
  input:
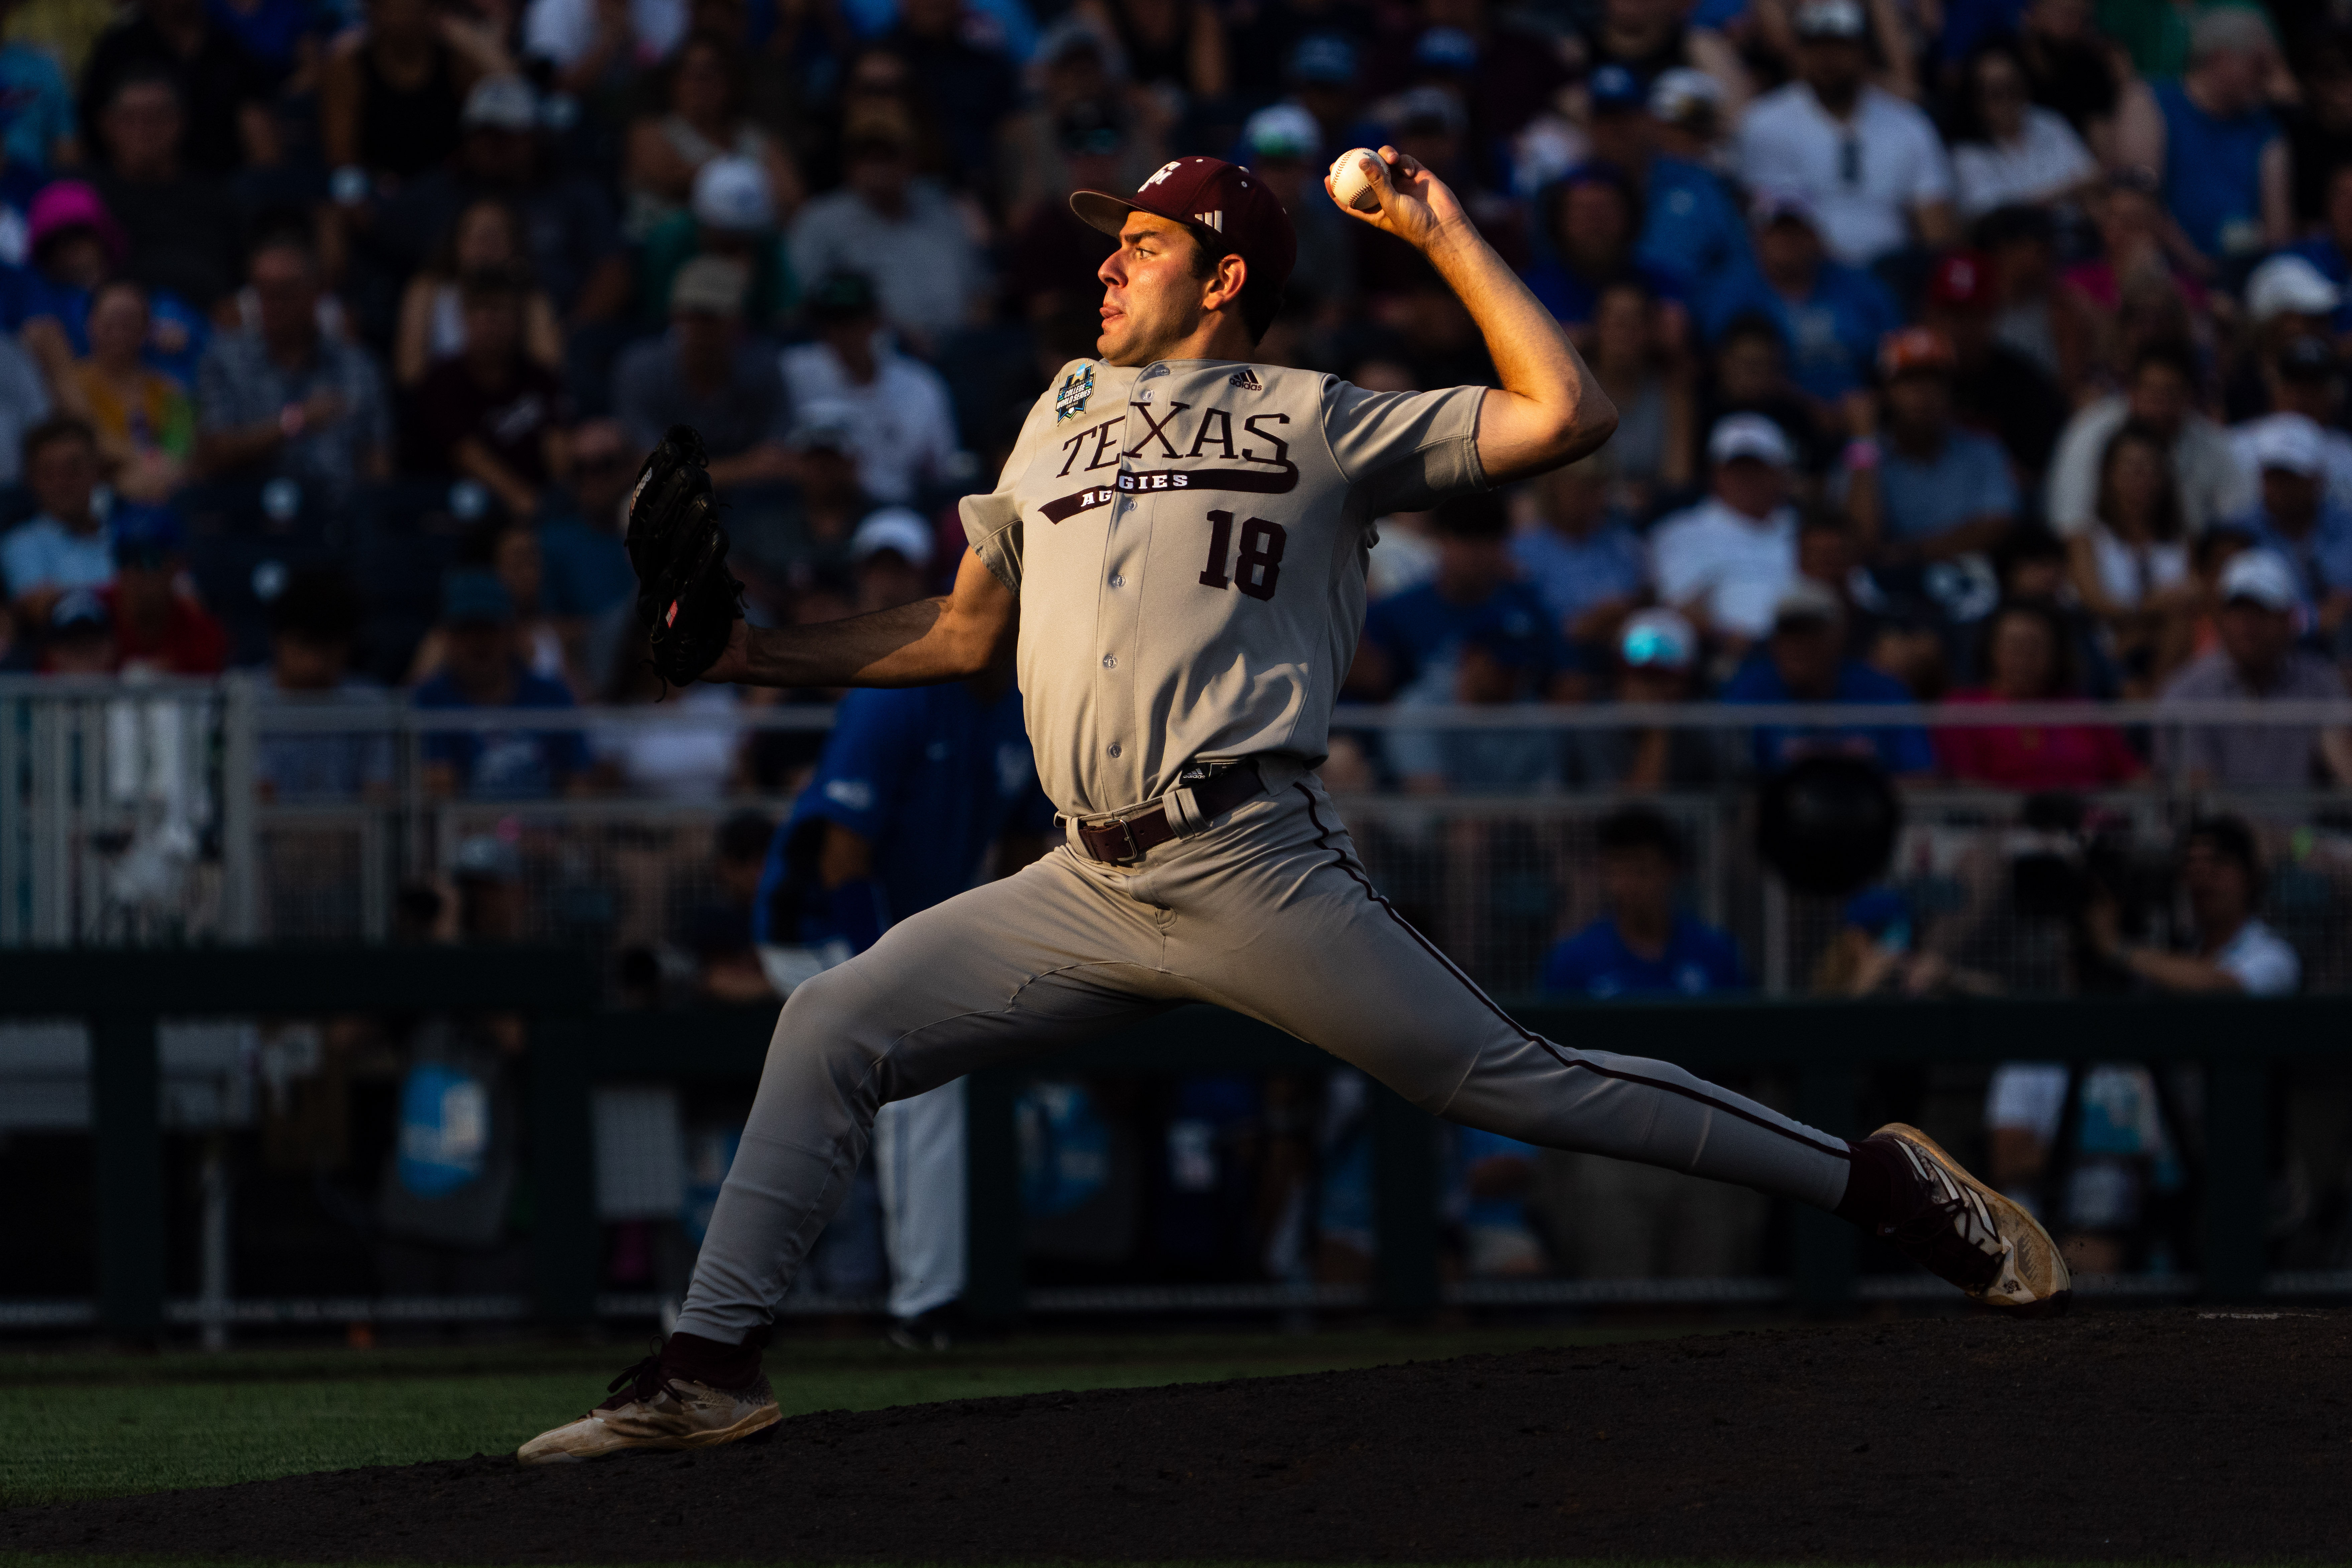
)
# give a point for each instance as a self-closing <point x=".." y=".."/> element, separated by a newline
<point x="1017" y="967"/>
<point x="1280" y="921"/>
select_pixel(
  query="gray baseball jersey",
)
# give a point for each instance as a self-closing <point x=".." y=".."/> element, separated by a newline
<point x="1188" y="541"/>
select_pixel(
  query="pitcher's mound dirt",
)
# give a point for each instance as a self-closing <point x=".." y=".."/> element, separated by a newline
<point x="2165" y="1435"/>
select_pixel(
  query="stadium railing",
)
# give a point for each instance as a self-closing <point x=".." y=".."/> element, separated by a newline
<point x="124" y="994"/>
<point x="131" y="812"/>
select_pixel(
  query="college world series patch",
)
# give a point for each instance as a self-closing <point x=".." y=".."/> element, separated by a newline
<point x="1070" y="397"/>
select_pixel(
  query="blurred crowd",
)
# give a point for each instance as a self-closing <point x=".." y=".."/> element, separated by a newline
<point x="1966" y="351"/>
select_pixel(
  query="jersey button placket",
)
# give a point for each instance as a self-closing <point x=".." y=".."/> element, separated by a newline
<point x="1126" y="544"/>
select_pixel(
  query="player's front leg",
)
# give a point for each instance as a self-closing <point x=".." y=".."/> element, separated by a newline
<point x="1291" y="930"/>
<point x="1022" y="965"/>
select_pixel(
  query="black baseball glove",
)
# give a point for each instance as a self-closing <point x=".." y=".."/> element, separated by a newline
<point x="688" y="601"/>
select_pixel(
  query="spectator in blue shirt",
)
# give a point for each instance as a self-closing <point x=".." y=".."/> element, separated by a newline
<point x="36" y="109"/>
<point x="1474" y="633"/>
<point x="1643" y="945"/>
<point x="1585" y="561"/>
<point x="1691" y="226"/>
<point x="2298" y="521"/>
<point x="1929" y="491"/>
<point x="67" y="545"/>
<point x="1832" y="316"/>
<point x="2228" y="181"/>
<point x="1803" y="661"/>
<point x="1592" y="217"/>
<point x="480" y="670"/>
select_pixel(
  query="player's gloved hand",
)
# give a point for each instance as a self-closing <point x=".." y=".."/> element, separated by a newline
<point x="688" y="601"/>
<point x="1415" y="204"/>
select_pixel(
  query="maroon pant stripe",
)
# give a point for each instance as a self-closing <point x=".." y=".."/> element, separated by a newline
<point x="1339" y="857"/>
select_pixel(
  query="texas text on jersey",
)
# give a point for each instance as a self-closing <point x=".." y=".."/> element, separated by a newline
<point x="1189" y="544"/>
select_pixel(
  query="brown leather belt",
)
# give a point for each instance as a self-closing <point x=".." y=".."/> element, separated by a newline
<point x="1124" y="840"/>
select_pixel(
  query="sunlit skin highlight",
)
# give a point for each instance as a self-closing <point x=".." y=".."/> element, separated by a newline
<point x="1157" y="305"/>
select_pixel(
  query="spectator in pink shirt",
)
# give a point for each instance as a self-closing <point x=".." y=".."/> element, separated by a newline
<point x="2026" y="661"/>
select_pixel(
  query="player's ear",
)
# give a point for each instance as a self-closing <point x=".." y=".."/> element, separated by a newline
<point x="1226" y="283"/>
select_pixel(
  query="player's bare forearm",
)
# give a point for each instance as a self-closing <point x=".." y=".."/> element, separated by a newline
<point x="960" y="635"/>
<point x="1549" y="409"/>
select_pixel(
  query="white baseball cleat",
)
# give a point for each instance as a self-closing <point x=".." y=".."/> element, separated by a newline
<point x="1964" y="1231"/>
<point x="658" y="1412"/>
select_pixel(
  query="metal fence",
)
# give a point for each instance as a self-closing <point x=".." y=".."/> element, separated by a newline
<point x="172" y="812"/>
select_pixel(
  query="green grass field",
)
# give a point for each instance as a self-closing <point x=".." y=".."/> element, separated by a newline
<point x="91" y="1425"/>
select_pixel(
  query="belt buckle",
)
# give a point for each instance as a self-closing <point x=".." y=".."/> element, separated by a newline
<point x="1126" y="826"/>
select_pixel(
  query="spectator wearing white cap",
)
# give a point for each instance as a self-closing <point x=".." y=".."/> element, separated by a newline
<point x="1726" y="561"/>
<point x="2298" y="521"/>
<point x="891" y="554"/>
<point x="2289" y="286"/>
<point x="2160" y="393"/>
<point x="1691" y="227"/>
<point x="2286" y="299"/>
<point x="1831" y="316"/>
<point x="896" y="409"/>
<point x="2258" y="661"/>
<point x="2302" y="381"/>
<point x="732" y="215"/>
<point x="1871" y="163"/>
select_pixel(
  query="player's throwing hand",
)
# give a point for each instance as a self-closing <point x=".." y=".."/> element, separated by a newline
<point x="1415" y="204"/>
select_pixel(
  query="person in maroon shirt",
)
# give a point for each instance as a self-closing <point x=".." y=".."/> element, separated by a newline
<point x="2026" y="661"/>
<point x="158" y="626"/>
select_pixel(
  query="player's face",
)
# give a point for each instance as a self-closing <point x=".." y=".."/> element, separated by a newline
<point x="1152" y="296"/>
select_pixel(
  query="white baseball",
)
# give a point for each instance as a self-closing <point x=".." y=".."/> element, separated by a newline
<point x="1352" y="179"/>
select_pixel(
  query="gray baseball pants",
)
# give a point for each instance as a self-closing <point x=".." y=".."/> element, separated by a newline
<point x="1267" y="912"/>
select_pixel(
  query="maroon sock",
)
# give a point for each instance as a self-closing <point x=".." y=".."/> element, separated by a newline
<point x="1878" y="1187"/>
<point x="714" y="1361"/>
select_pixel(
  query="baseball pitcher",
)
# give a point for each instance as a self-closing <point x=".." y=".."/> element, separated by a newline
<point x="1174" y="557"/>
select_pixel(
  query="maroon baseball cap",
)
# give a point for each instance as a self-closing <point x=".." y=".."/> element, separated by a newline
<point x="1229" y="209"/>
